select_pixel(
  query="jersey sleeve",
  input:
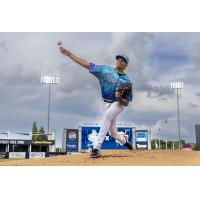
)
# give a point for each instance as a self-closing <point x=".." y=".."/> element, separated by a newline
<point x="96" y="70"/>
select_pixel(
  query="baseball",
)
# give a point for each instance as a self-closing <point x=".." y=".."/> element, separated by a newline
<point x="59" y="43"/>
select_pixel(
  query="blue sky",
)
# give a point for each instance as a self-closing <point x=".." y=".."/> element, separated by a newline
<point x="156" y="59"/>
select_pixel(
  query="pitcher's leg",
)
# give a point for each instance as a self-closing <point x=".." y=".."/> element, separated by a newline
<point x="123" y="140"/>
<point x="114" y="133"/>
<point x="112" y="112"/>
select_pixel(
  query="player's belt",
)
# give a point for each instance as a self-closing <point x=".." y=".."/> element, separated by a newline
<point x="108" y="101"/>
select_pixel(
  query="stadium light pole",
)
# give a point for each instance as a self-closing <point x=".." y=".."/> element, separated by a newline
<point x="177" y="86"/>
<point x="49" y="80"/>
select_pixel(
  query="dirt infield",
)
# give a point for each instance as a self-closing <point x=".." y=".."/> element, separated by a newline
<point x="116" y="158"/>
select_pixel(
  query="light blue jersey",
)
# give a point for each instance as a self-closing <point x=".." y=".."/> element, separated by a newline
<point x="109" y="80"/>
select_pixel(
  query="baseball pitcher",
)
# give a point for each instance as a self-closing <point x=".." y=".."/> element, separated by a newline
<point x="116" y="90"/>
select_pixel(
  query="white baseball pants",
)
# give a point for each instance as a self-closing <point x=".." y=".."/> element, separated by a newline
<point x="112" y="110"/>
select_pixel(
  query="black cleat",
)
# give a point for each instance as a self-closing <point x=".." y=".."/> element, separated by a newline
<point x="95" y="153"/>
<point x="128" y="145"/>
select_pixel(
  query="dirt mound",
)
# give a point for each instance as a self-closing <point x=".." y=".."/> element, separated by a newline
<point x="116" y="158"/>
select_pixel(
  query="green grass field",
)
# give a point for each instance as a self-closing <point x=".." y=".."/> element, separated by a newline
<point x="12" y="159"/>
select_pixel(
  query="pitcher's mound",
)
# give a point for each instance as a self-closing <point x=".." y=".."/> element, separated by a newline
<point x="116" y="158"/>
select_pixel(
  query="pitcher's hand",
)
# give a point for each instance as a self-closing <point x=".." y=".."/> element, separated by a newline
<point x="118" y="94"/>
<point x="64" y="51"/>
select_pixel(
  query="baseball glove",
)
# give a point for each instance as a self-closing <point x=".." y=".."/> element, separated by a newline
<point x="125" y="89"/>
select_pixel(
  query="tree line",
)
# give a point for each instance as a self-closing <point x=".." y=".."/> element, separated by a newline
<point x="38" y="134"/>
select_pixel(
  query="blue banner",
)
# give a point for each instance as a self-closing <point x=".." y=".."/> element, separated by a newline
<point x="90" y="133"/>
<point x="141" y="139"/>
<point x="71" y="140"/>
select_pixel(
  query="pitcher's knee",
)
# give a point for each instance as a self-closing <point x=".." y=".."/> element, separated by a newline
<point x="109" y="117"/>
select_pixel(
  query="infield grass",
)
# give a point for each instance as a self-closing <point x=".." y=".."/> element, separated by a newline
<point x="11" y="159"/>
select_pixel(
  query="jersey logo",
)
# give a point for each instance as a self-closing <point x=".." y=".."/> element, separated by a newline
<point x="111" y="79"/>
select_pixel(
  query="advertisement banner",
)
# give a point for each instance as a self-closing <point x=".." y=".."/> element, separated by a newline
<point x="27" y="142"/>
<point x="17" y="155"/>
<point x="19" y="142"/>
<point x="3" y="154"/>
<point x="47" y="142"/>
<point x="89" y="135"/>
<point x="37" y="155"/>
<point x="72" y="140"/>
<point x="141" y="138"/>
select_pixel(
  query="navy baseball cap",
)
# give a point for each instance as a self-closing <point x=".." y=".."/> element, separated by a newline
<point x="126" y="59"/>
